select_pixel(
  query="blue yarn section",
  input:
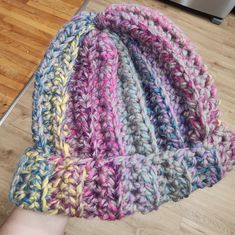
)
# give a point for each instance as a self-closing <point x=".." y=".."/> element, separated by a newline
<point x="156" y="101"/>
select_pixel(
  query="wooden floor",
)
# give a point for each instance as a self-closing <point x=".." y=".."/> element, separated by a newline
<point x="209" y="211"/>
<point x="26" y="28"/>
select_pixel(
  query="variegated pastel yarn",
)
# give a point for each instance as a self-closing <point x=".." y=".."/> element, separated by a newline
<point x="125" y="118"/>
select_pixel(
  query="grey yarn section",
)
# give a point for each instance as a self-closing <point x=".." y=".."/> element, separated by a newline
<point x="139" y="130"/>
<point x="167" y="183"/>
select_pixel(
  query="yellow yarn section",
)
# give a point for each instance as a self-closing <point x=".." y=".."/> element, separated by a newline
<point x="34" y="188"/>
<point x="44" y="193"/>
<point x="70" y="190"/>
<point x="63" y="180"/>
<point x="79" y="189"/>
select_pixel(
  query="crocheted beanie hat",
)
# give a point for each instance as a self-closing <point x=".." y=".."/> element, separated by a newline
<point x="125" y="118"/>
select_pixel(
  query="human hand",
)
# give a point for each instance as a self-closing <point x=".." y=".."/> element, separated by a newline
<point x="25" y="222"/>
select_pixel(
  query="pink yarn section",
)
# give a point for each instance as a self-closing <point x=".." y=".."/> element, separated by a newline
<point x="96" y="128"/>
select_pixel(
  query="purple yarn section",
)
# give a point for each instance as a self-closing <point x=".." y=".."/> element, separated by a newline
<point x="137" y="28"/>
<point x="94" y="99"/>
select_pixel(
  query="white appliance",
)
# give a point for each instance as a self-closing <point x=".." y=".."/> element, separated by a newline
<point x="218" y="9"/>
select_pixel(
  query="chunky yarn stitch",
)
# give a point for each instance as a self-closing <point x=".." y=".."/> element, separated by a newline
<point x="125" y="118"/>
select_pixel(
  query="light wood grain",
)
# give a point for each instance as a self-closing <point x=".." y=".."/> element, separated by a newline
<point x="26" y="28"/>
<point x="209" y="211"/>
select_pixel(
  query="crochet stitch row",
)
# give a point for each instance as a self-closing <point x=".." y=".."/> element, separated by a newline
<point x="125" y="118"/>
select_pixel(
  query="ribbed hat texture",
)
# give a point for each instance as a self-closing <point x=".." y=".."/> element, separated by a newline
<point x="125" y="117"/>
